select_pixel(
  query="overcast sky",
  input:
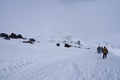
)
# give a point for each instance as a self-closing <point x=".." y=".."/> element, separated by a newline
<point x="69" y="17"/>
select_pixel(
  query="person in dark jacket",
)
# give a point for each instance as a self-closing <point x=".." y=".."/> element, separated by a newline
<point x="105" y="52"/>
<point x="99" y="49"/>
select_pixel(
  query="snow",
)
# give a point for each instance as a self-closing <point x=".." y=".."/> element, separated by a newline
<point x="92" y="22"/>
<point x="45" y="61"/>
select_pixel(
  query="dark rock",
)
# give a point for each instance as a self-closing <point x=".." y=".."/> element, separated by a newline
<point x="67" y="45"/>
<point x="13" y="35"/>
<point x="32" y="40"/>
<point x="88" y="48"/>
<point x="7" y="38"/>
<point x="4" y="35"/>
<point x="28" y="42"/>
<point x="58" y="44"/>
<point x="20" y="36"/>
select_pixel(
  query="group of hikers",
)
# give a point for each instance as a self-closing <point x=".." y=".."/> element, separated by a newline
<point x="103" y="50"/>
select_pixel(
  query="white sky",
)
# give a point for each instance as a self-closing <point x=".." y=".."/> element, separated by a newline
<point x="69" y="17"/>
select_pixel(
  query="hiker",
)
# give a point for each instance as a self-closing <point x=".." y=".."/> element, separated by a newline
<point x="105" y="52"/>
<point x="99" y="49"/>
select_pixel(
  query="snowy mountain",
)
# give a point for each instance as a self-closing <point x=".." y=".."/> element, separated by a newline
<point x="82" y="25"/>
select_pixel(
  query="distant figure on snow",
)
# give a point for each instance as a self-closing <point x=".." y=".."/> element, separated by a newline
<point x="105" y="52"/>
<point x="78" y="42"/>
<point x="99" y="49"/>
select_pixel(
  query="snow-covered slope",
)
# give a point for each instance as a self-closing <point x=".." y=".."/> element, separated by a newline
<point x="46" y="61"/>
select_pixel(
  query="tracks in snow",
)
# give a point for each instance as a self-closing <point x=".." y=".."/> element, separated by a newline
<point x="13" y="66"/>
<point x="56" y="71"/>
<point x="87" y="66"/>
